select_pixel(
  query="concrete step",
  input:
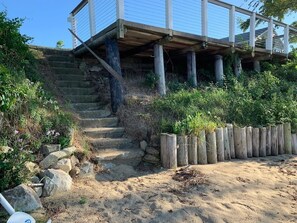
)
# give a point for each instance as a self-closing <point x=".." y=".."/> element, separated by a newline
<point x="78" y="91"/>
<point x="67" y="71"/>
<point x="99" y="122"/>
<point x="60" y="58"/>
<point x="87" y="106"/>
<point x="61" y="64"/>
<point x="70" y="77"/>
<point x="104" y="132"/>
<point x="74" y="84"/>
<point x="95" y="113"/>
<point x="82" y="98"/>
<point x="128" y="156"/>
<point x="103" y="143"/>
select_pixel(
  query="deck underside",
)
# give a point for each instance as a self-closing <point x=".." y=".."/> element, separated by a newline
<point x="137" y="39"/>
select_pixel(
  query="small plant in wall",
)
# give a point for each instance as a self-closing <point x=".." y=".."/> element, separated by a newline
<point x="60" y="44"/>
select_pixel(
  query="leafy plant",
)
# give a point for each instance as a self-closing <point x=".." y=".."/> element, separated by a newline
<point x="60" y="44"/>
<point x="151" y="80"/>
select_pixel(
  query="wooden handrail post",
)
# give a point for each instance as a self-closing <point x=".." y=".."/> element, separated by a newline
<point x="253" y="30"/>
<point x="286" y="39"/>
<point x="204" y="19"/>
<point x="73" y="23"/>
<point x="269" y="41"/>
<point x="169" y="13"/>
<point x="120" y="9"/>
<point x="232" y="24"/>
<point x="92" y="17"/>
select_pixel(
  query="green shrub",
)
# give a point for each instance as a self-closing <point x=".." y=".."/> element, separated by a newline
<point x="151" y="80"/>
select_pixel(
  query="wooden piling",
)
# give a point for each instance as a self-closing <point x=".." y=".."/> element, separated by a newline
<point x="211" y="146"/>
<point x="281" y="142"/>
<point x="159" y="68"/>
<point x="182" y="151"/>
<point x="168" y="151"/>
<point x="274" y="141"/>
<point x="256" y="142"/>
<point x="268" y="141"/>
<point x="192" y="153"/>
<point x="231" y="140"/>
<point x="249" y="141"/>
<point x="202" y="152"/>
<point x="288" y="138"/>
<point x="294" y="144"/>
<point x="262" y="149"/>
<point x="220" y="144"/>
<point x="240" y="143"/>
<point x="227" y="152"/>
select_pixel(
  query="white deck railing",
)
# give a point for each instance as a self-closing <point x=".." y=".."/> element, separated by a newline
<point x="209" y="18"/>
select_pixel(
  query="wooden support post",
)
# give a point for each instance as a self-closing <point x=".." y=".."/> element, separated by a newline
<point x="169" y="13"/>
<point x="92" y="17"/>
<point x="237" y="66"/>
<point x="253" y="30"/>
<point x="262" y="150"/>
<point x="256" y="142"/>
<point x="269" y="40"/>
<point x="159" y="68"/>
<point x="231" y="140"/>
<point x="191" y="68"/>
<point x="168" y="151"/>
<point x="287" y="39"/>
<point x="274" y="141"/>
<point x="73" y="22"/>
<point x="232" y="24"/>
<point x="219" y="69"/>
<point x="113" y="59"/>
<point x="249" y="141"/>
<point x="202" y="152"/>
<point x="204" y="18"/>
<point x="268" y="141"/>
<point x="193" y="150"/>
<point x="211" y="146"/>
<point x="220" y="144"/>
<point x="288" y="138"/>
<point x="281" y="139"/>
<point x="182" y="151"/>
<point x="120" y="9"/>
<point x="227" y="152"/>
<point x="294" y="144"/>
<point x="240" y="143"/>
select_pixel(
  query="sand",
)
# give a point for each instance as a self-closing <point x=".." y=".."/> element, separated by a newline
<point x="257" y="190"/>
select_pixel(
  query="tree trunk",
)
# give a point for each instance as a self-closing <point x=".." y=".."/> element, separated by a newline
<point x="113" y="59"/>
<point x="168" y="151"/>
<point x="193" y="150"/>
<point x="182" y="151"/>
<point x="249" y="141"/>
<point x="231" y="140"/>
<point x="211" y="143"/>
<point x="274" y="141"/>
<point x="202" y="152"/>
<point x="288" y="138"/>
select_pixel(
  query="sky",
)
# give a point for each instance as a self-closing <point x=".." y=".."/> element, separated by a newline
<point x="46" y="20"/>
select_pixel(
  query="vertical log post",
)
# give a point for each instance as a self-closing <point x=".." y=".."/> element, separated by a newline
<point x="227" y="152"/>
<point x="274" y="141"/>
<point x="211" y="144"/>
<point x="262" y="150"/>
<point x="294" y="144"/>
<point x="256" y="142"/>
<point x="281" y="142"/>
<point x="268" y="141"/>
<point x="220" y="144"/>
<point x="240" y="143"/>
<point x="219" y="69"/>
<point x="182" y="151"/>
<point x="191" y="68"/>
<point x="159" y="68"/>
<point x="113" y="59"/>
<point x="231" y="140"/>
<point x="249" y="141"/>
<point x="168" y="151"/>
<point x="288" y="138"/>
<point x="193" y="150"/>
<point x="202" y="152"/>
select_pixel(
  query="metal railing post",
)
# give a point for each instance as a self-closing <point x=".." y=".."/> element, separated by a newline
<point x="204" y="19"/>
<point x="232" y="24"/>
<point x="253" y="30"/>
<point x="92" y="17"/>
<point x="286" y="39"/>
<point x="120" y="9"/>
<point x="269" y="41"/>
<point x="73" y="23"/>
<point x="169" y="13"/>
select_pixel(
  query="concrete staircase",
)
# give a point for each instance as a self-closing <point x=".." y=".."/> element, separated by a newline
<point x="96" y="121"/>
